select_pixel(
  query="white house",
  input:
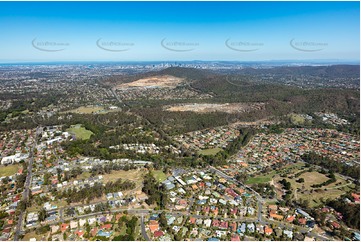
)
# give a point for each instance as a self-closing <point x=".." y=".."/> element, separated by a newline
<point x="207" y="222"/>
<point x="82" y="222"/>
<point x="288" y="233"/>
<point x="73" y="224"/>
<point x="91" y="220"/>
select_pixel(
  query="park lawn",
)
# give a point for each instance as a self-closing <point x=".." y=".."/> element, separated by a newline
<point x="331" y="192"/>
<point x="259" y="179"/>
<point x="8" y="170"/>
<point x="314" y="177"/>
<point x="292" y="168"/>
<point x="271" y="202"/>
<point x="339" y="180"/>
<point x="324" y="192"/>
<point x="212" y="151"/>
<point x="268" y="177"/>
<point x="80" y="132"/>
<point x="315" y="197"/>
<point x="159" y="175"/>
<point x="311" y="178"/>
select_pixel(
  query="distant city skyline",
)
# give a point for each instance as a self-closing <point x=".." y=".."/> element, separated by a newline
<point x="179" y="31"/>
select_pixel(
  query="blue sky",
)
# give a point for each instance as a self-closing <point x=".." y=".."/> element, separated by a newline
<point x="146" y="31"/>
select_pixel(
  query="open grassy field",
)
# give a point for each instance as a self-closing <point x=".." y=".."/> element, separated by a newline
<point x="273" y="202"/>
<point x="92" y="110"/>
<point x="316" y="196"/>
<point x="8" y="170"/>
<point x="310" y="178"/>
<point x="259" y="179"/>
<point x="305" y="190"/>
<point x="87" y="109"/>
<point x="133" y="175"/>
<point x="80" y="132"/>
<point x="297" y="119"/>
<point x="159" y="175"/>
<point x="268" y="177"/>
<point x="84" y="175"/>
<point x="209" y="151"/>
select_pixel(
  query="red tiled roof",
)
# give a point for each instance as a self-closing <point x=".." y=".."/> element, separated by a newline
<point x="206" y="209"/>
<point x="224" y="224"/>
<point x="276" y="216"/>
<point x="235" y="237"/>
<point x="106" y="226"/>
<point x="215" y="223"/>
<point x="94" y="232"/>
<point x="158" y="234"/>
<point x="153" y="225"/>
<point x="80" y="233"/>
<point x="63" y="227"/>
<point x="192" y="220"/>
<point x="7" y="230"/>
<point x="268" y="230"/>
<point x="302" y="221"/>
<point x="182" y="202"/>
<point x="233" y="226"/>
<point x="356" y="197"/>
<point x="335" y="225"/>
<point x="290" y="219"/>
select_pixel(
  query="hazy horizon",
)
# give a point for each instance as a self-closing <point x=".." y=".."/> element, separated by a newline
<point x="179" y="31"/>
